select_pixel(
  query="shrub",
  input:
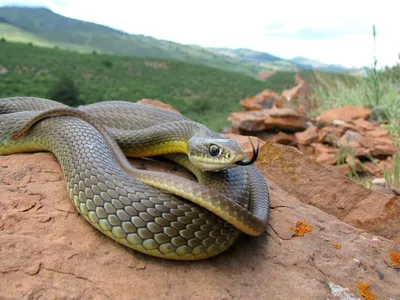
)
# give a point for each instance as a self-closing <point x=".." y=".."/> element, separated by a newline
<point x="65" y="91"/>
<point x="107" y="63"/>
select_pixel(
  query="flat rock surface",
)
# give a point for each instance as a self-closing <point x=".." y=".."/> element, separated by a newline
<point x="48" y="251"/>
<point x="312" y="183"/>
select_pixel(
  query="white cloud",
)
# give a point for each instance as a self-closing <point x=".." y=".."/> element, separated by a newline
<point x="253" y="24"/>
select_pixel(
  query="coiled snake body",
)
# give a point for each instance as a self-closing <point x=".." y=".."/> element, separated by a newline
<point x="123" y="207"/>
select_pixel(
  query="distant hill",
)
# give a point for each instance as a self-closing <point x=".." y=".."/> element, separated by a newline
<point x="45" y="28"/>
<point x="271" y="62"/>
<point x="314" y="64"/>
<point x="51" y="29"/>
<point x="262" y="60"/>
<point x="246" y="54"/>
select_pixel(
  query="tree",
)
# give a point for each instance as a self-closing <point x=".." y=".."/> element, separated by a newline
<point x="65" y="91"/>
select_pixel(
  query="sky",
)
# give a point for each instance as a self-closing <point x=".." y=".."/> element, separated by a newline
<point x="333" y="32"/>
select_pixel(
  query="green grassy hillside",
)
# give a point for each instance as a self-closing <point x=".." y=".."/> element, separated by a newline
<point x="14" y="34"/>
<point x="43" y="27"/>
<point x="202" y="93"/>
<point x="46" y="28"/>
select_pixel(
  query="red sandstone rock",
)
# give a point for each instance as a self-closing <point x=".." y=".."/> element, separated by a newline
<point x="286" y="119"/>
<point x="378" y="132"/>
<point x="263" y="135"/>
<point x="330" y="134"/>
<point x="327" y="158"/>
<point x="322" y="149"/>
<point x="48" y="251"/>
<point x="306" y="149"/>
<point x="355" y="164"/>
<point x="313" y="184"/>
<point x="351" y="139"/>
<point x="343" y="169"/>
<point x="372" y="168"/>
<point x="248" y="120"/>
<point x="346" y="113"/>
<point x="307" y="136"/>
<point x="263" y="100"/>
<point x="383" y="146"/>
<point x="284" y="139"/>
<point x="366" y="142"/>
<point x="244" y="141"/>
<point x="363" y="125"/>
<point x="282" y="118"/>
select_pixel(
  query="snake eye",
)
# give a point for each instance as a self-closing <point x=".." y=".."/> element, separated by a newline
<point x="214" y="150"/>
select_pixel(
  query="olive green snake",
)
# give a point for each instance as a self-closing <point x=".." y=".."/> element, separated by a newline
<point x="128" y="204"/>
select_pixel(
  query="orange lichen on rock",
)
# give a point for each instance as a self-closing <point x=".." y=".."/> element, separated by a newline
<point x="363" y="290"/>
<point x="395" y="258"/>
<point x="302" y="228"/>
<point x="337" y="246"/>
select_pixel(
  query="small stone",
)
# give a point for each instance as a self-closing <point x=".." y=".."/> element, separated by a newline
<point x="306" y="149"/>
<point x="286" y="119"/>
<point x="379" y="181"/>
<point x="307" y="136"/>
<point x="345" y="113"/>
<point x="265" y="99"/>
<point x="284" y="139"/>
<point x="343" y="169"/>
<point x="248" y="120"/>
<point x="32" y="269"/>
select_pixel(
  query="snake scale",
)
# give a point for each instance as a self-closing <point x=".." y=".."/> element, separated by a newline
<point x="124" y="208"/>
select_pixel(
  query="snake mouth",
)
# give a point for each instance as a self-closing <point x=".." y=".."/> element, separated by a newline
<point x="247" y="161"/>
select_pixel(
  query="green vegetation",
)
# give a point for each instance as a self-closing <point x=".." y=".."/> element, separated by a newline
<point x="65" y="91"/>
<point x="376" y="89"/>
<point x="47" y="29"/>
<point x="205" y="94"/>
<point x="347" y="155"/>
<point x="14" y="34"/>
<point x="44" y="28"/>
<point x="283" y="79"/>
<point x="392" y="179"/>
<point x="329" y="81"/>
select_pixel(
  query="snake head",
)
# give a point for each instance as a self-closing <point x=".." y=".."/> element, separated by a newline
<point x="217" y="154"/>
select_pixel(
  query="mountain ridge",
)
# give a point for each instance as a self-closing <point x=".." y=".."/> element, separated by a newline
<point x="54" y="30"/>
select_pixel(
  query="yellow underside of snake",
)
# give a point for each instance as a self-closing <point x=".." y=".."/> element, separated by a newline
<point x="128" y="204"/>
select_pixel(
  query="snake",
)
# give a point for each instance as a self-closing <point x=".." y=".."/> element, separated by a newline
<point x="119" y="200"/>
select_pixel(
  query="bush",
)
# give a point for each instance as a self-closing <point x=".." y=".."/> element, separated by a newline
<point x="3" y="40"/>
<point x="107" y="63"/>
<point x="65" y="91"/>
<point x="378" y="90"/>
